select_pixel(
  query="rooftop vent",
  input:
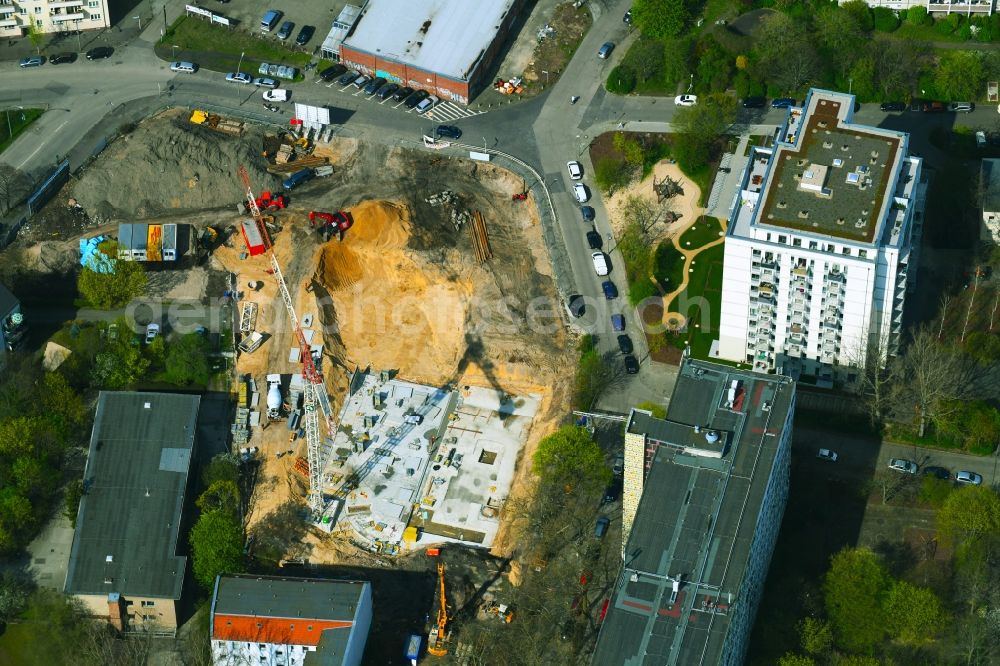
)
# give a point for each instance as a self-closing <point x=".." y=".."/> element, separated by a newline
<point x="109" y="559"/>
<point x="804" y="214"/>
<point x="147" y="405"/>
<point x="711" y="437"/>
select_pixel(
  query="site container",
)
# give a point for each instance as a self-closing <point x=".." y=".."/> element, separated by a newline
<point x="253" y="238"/>
<point x="169" y="242"/>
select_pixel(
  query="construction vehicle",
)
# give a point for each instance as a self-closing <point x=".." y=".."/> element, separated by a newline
<point x="273" y="396"/>
<point x="519" y="196"/>
<point x="217" y="123"/>
<point x="330" y="222"/>
<point x="439" y="635"/>
<point x="268" y="201"/>
<point x="501" y="611"/>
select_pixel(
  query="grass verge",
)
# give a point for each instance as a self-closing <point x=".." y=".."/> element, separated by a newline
<point x="217" y="48"/>
<point x="18" y="120"/>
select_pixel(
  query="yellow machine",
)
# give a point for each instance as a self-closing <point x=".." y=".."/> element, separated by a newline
<point x="438" y="635"/>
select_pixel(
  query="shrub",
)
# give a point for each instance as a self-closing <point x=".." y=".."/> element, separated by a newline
<point x="954" y="20"/>
<point x="621" y="80"/>
<point x="611" y="174"/>
<point x="885" y="19"/>
<point x="942" y="27"/>
<point x="916" y="15"/>
<point x="641" y="289"/>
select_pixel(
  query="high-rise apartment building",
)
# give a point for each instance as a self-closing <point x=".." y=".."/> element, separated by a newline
<point x="821" y="245"/>
<point x="48" y="16"/>
<point x="937" y="7"/>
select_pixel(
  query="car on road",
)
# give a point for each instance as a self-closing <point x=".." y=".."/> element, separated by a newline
<point x="581" y="193"/>
<point x="285" y="31"/>
<point x="449" y="131"/>
<point x="264" y="82"/>
<point x="386" y="91"/>
<point x="576" y="306"/>
<point x="754" y="102"/>
<point x="937" y="472"/>
<point x="402" y="94"/>
<point x="618" y="322"/>
<point x="618" y="466"/>
<point x="61" y="58"/>
<point x="600" y="263"/>
<point x="782" y="103"/>
<point x="605" y="50"/>
<point x="631" y="365"/>
<point x="305" y="34"/>
<point x="373" y="86"/>
<point x="933" y="107"/>
<point x="625" y="344"/>
<point x="587" y="213"/>
<point x="892" y="106"/>
<point x="601" y="527"/>
<point x="31" y="61"/>
<point x="968" y="477"/>
<point x="610" y="290"/>
<point x="415" y="99"/>
<point x="152" y="330"/>
<point x="347" y="77"/>
<point x="183" y="67"/>
<point x="827" y="454"/>
<point x="276" y="95"/>
<point x="594" y="240"/>
<point x="627" y="19"/>
<point x="99" y="53"/>
<point x="575" y="170"/>
<point x="961" y="107"/>
<point x="332" y="72"/>
<point x="239" y="77"/>
<point x="426" y="104"/>
<point x="361" y="81"/>
<point x="903" y="465"/>
<point x="686" y="100"/>
<point x="612" y="492"/>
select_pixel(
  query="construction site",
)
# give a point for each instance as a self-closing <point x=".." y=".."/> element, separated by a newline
<point x="378" y="386"/>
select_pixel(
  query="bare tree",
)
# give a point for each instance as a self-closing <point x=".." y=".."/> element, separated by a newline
<point x="12" y="187"/>
<point x="644" y="213"/>
<point x="875" y="373"/>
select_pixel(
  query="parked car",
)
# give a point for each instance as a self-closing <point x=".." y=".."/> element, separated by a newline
<point x="426" y="104"/>
<point x="361" y="81"/>
<point x="305" y="34"/>
<point x="933" y="107"/>
<point x="600" y="263"/>
<point x="581" y="193"/>
<point x="576" y="306"/>
<point x="625" y="344"/>
<point x="239" y="77"/>
<point x="601" y="527"/>
<point x="594" y="240"/>
<point x="605" y="50"/>
<point x="60" y="58"/>
<point x="627" y="19"/>
<point x="31" y="61"/>
<point x="152" y="330"/>
<point x="402" y="94"/>
<point x="937" y="472"/>
<point x="276" y="95"/>
<point x="631" y="365"/>
<point x="903" y="465"/>
<point x="892" y="106"/>
<point x="618" y="322"/>
<point x="415" y="99"/>
<point x="755" y="102"/>
<point x="618" y="466"/>
<point x="264" y="82"/>
<point x="587" y="213"/>
<point x="980" y="139"/>
<point x="270" y="19"/>
<point x="612" y="492"/>
<point x="332" y="72"/>
<point x="183" y="67"/>
<point x="827" y="454"/>
<point x="969" y="477"/>
<point x="610" y="290"/>
<point x="686" y="100"/>
<point x="575" y="170"/>
<point x="782" y="103"/>
<point x="449" y="131"/>
<point x="347" y="77"/>
<point x="99" y="53"/>
<point x="285" y="31"/>
<point x="373" y="86"/>
<point x="386" y="91"/>
<point x="961" y="107"/>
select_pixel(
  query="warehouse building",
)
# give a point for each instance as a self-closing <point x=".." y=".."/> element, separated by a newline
<point x="445" y="47"/>
<point x="124" y="565"/>
<point x="278" y="621"/>
<point x="705" y="492"/>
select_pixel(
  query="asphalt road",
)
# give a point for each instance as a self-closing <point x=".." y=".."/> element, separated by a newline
<point x="545" y="132"/>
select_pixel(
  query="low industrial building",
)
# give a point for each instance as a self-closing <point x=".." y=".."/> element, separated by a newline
<point x="445" y="47"/>
<point x="125" y="564"/>
<point x="277" y="621"/>
<point x="704" y="494"/>
<point x="13" y="328"/>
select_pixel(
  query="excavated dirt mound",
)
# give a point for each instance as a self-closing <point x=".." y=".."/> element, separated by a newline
<point x="166" y="164"/>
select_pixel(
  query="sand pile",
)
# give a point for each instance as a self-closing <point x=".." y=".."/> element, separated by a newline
<point x="685" y="205"/>
<point x="395" y="308"/>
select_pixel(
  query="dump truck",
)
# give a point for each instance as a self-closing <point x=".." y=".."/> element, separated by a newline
<point x="217" y="123"/>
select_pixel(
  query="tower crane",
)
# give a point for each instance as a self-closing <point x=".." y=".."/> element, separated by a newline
<point x="438" y="634"/>
<point x="314" y="394"/>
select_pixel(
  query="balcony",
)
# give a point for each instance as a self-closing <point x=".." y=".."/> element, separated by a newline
<point x="8" y="21"/>
<point x="62" y="18"/>
<point x="801" y="271"/>
<point x="62" y="5"/>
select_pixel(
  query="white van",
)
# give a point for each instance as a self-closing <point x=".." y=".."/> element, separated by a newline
<point x="186" y="67"/>
<point x="600" y="263"/>
<point x="270" y="20"/>
<point x="276" y="95"/>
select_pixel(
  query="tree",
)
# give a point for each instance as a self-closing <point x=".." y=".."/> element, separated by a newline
<point x="629" y="147"/>
<point x="960" y="74"/>
<point x="223" y="467"/>
<point x="120" y="365"/>
<point x="74" y="493"/>
<point x="187" y="360"/>
<point x="816" y="636"/>
<point x="659" y="19"/>
<point x="610" y="174"/>
<point x="220" y="496"/>
<point x="676" y="59"/>
<point x="14" y="594"/>
<point x="12" y="187"/>
<point x="785" y="53"/>
<point x="791" y="659"/>
<point x="216" y="547"/>
<point x="126" y="281"/>
<point x="914" y="613"/>
<point x="897" y="63"/>
<point x="570" y="457"/>
<point x="885" y="19"/>
<point x="621" y="80"/>
<point x="861" y="12"/>
<point x="16" y="519"/>
<point x="970" y="514"/>
<point x="657" y="410"/>
<point x="697" y="127"/>
<point x="916" y="15"/>
<point x="715" y="65"/>
<point x="645" y="58"/>
<point x="984" y="348"/>
<point x="35" y="36"/>
<point x="854" y="589"/>
<point x="593" y="375"/>
<point x="974" y="423"/>
<point x="841" y="36"/>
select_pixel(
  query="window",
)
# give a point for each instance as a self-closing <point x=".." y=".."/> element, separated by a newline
<point x="38" y="23"/>
<point x="847" y="250"/>
<point x="38" y="10"/>
<point x="797" y="242"/>
<point x="783" y="240"/>
<point x="148" y="604"/>
<point x="22" y="11"/>
<point x="92" y="3"/>
<point x="863" y="254"/>
<point x="769" y="238"/>
<point x="95" y="17"/>
<point x="813" y="245"/>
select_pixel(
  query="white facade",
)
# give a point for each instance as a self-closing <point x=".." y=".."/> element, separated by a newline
<point x="50" y="16"/>
<point x="804" y="302"/>
<point x="966" y="7"/>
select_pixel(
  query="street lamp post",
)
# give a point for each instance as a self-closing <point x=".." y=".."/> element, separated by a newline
<point x="242" y="53"/>
<point x="546" y="73"/>
<point x="10" y="132"/>
<point x="173" y="51"/>
<point x="139" y="19"/>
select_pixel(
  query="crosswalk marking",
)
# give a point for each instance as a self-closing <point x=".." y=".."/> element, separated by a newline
<point x="451" y="111"/>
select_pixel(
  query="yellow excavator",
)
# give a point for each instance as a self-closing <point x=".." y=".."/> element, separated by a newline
<point x="438" y="634"/>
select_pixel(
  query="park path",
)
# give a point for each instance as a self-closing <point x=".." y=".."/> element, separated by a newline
<point x="675" y="320"/>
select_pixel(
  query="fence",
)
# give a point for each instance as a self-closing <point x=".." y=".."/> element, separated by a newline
<point x="48" y="188"/>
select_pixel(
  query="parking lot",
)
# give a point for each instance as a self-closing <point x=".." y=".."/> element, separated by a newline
<point x="442" y="112"/>
<point x="320" y="15"/>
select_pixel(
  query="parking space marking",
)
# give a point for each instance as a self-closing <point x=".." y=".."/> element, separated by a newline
<point x="451" y="111"/>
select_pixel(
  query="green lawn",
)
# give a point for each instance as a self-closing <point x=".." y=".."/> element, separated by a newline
<point x="16" y="649"/>
<point x="924" y="33"/>
<point x="218" y="48"/>
<point x="703" y="300"/>
<point x="702" y="232"/>
<point x="668" y="266"/>
<point x="17" y="121"/>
